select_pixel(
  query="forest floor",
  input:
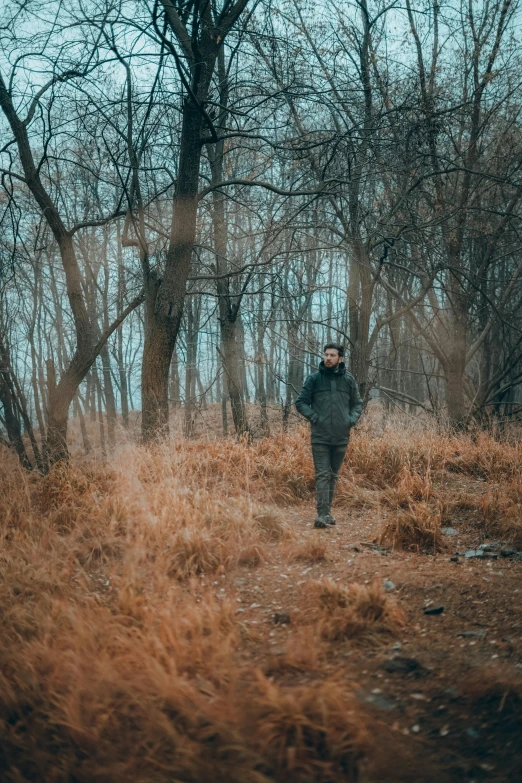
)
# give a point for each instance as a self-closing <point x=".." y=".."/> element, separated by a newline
<point x="448" y="683"/>
<point x="173" y="615"/>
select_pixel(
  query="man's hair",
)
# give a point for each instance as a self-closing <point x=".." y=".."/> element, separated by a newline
<point x="335" y="347"/>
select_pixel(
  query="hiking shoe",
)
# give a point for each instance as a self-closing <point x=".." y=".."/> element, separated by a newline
<point x="322" y="522"/>
<point x="331" y="520"/>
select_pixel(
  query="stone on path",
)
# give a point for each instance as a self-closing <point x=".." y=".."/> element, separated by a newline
<point x="433" y="609"/>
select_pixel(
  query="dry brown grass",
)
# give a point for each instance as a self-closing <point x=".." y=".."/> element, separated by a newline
<point x="418" y="528"/>
<point x="311" y="548"/>
<point x="303" y="651"/>
<point x="310" y="733"/>
<point x="410" y="487"/>
<point x="116" y="663"/>
<point x="360" y="613"/>
<point x="495" y="689"/>
<point x="501" y="510"/>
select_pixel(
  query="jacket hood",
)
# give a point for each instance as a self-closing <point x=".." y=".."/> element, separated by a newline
<point x="340" y="369"/>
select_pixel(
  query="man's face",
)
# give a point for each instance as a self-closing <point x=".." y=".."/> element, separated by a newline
<point x="331" y="358"/>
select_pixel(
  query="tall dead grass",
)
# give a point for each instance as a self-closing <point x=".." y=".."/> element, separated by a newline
<point x="146" y="686"/>
<point x="501" y="511"/>
<point x="116" y="663"/>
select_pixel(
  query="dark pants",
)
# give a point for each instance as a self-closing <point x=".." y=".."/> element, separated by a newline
<point x="327" y="463"/>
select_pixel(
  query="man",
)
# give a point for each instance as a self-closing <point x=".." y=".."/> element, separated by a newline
<point x="331" y="402"/>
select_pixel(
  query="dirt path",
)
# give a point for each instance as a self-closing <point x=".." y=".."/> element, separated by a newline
<point x="441" y="691"/>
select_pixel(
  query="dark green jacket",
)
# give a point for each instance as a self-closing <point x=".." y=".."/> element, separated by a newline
<point x="331" y="402"/>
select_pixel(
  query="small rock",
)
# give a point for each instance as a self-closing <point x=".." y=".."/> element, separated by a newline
<point x="472" y="634"/>
<point x="381" y="550"/>
<point x="376" y="700"/>
<point x="508" y="640"/>
<point x="453" y="693"/>
<point x="388" y="585"/>
<point x="472" y="733"/>
<point x="454" y="559"/>
<point x="449" y="531"/>
<point x="508" y="551"/>
<point x="239" y="582"/>
<point x="396" y="646"/>
<point x="474" y="553"/>
<point x="355" y="549"/>
<point x="433" y="609"/>
<point x="444" y="731"/>
<point x="277" y="651"/>
<point x="281" y="618"/>
<point x="415" y="728"/>
<point x="402" y="664"/>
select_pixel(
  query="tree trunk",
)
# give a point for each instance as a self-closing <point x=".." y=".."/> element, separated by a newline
<point x="165" y="299"/>
<point x="110" y="400"/>
<point x="232" y="367"/>
<point x="261" y="364"/>
<point x="190" y="369"/>
<point x="100" y="418"/>
<point x="124" y="396"/>
<point x="108" y="387"/>
<point x="157" y="355"/>
<point x="360" y="292"/>
<point x="12" y="421"/>
<point x="228" y="303"/>
<point x="175" y="397"/>
<point x="83" y="428"/>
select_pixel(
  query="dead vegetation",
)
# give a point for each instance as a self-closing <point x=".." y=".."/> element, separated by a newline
<point x="416" y="528"/>
<point x="501" y="510"/>
<point x="310" y="733"/>
<point x="120" y="659"/>
<point x="311" y="548"/>
<point x="494" y="690"/>
<point x="360" y="613"/>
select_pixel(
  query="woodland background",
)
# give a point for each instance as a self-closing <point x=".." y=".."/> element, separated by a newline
<point x="195" y="196"/>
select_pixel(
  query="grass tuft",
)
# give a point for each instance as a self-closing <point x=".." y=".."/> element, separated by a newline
<point x="309" y="733"/>
<point x="312" y="548"/>
<point x="417" y="529"/>
<point x="356" y="612"/>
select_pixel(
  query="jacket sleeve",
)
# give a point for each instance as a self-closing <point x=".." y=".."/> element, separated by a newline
<point x="304" y="400"/>
<point x="356" y="403"/>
